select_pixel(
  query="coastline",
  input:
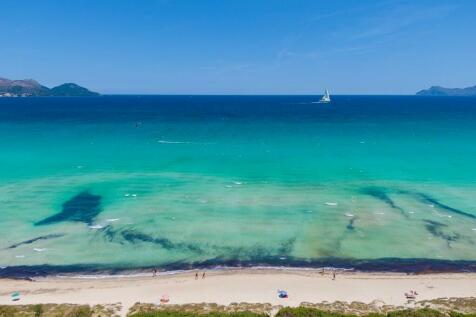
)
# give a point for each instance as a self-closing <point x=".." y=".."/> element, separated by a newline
<point x="223" y="287"/>
<point x="385" y="265"/>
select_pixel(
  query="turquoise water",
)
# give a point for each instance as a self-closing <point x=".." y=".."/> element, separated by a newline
<point x="138" y="181"/>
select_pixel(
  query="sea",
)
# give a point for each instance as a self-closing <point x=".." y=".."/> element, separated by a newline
<point x="121" y="183"/>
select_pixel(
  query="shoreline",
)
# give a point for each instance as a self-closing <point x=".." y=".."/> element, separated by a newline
<point x="386" y="265"/>
<point x="224" y="287"/>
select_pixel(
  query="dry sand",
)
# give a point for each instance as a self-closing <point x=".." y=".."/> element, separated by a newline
<point x="247" y="285"/>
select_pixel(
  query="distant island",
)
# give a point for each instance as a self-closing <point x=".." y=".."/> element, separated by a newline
<point x="31" y="88"/>
<point x="442" y="91"/>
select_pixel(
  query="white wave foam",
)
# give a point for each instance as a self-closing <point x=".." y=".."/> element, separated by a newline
<point x="331" y="204"/>
<point x="182" y="142"/>
<point x="96" y="226"/>
<point x="135" y="274"/>
<point x="126" y="275"/>
<point x="172" y="142"/>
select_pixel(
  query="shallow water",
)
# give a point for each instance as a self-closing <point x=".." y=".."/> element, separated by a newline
<point x="135" y="181"/>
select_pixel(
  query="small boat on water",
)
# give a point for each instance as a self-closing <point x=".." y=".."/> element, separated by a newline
<point x="326" y="98"/>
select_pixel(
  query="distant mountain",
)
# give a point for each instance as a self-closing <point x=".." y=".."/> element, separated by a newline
<point x="30" y="87"/>
<point x="71" y="89"/>
<point x="22" y="87"/>
<point x="442" y="91"/>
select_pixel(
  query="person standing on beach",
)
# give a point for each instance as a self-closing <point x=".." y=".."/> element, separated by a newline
<point x="196" y="276"/>
<point x="333" y="275"/>
<point x="154" y="272"/>
<point x="203" y="275"/>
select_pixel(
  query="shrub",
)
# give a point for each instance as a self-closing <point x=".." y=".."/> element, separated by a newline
<point x="456" y="314"/>
<point x="80" y="311"/>
<point x="174" y="313"/>
<point x="308" y="312"/>
<point x="425" y="312"/>
<point x="7" y="311"/>
<point x="38" y="310"/>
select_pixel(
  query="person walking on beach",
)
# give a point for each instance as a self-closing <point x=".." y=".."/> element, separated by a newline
<point x="203" y="275"/>
<point x="154" y="272"/>
<point x="333" y="275"/>
<point x="196" y="276"/>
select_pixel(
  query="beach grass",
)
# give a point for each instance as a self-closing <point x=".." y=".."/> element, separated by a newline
<point x="313" y="312"/>
<point x="175" y="313"/>
<point x="58" y="310"/>
<point x="304" y="312"/>
<point x="70" y="310"/>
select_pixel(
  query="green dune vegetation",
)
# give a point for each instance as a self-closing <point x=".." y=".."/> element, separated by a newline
<point x="439" y="308"/>
<point x="172" y="313"/>
<point x="56" y="310"/>
<point x="445" y="307"/>
<point x="313" y="312"/>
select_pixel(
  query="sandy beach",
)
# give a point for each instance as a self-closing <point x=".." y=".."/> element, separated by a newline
<point x="251" y="286"/>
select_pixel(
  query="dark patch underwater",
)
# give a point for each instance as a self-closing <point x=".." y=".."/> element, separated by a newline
<point x="133" y="237"/>
<point x="430" y="200"/>
<point x="350" y="226"/>
<point x="83" y="207"/>
<point x="287" y="246"/>
<point x="380" y="194"/>
<point x="33" y="240"/>
<point x="437" y="230"/>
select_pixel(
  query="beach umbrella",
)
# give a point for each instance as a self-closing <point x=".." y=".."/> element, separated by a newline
<point x="165" y="298"/>
<point x="282" y="294"/>
<point x="16" y="296"/>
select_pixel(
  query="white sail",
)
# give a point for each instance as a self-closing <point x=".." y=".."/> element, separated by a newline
<point x="326" y="98"/>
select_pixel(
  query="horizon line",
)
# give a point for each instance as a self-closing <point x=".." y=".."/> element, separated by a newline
<point x="261" y="94"/>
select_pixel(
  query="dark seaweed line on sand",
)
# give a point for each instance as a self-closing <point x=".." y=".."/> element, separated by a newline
<point x="373" y="265"/>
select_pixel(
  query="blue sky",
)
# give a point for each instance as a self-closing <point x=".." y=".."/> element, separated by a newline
<point x="241" y="46"/>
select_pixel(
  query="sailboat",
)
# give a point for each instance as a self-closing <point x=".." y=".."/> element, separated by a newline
<point x="326" y="98"/>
